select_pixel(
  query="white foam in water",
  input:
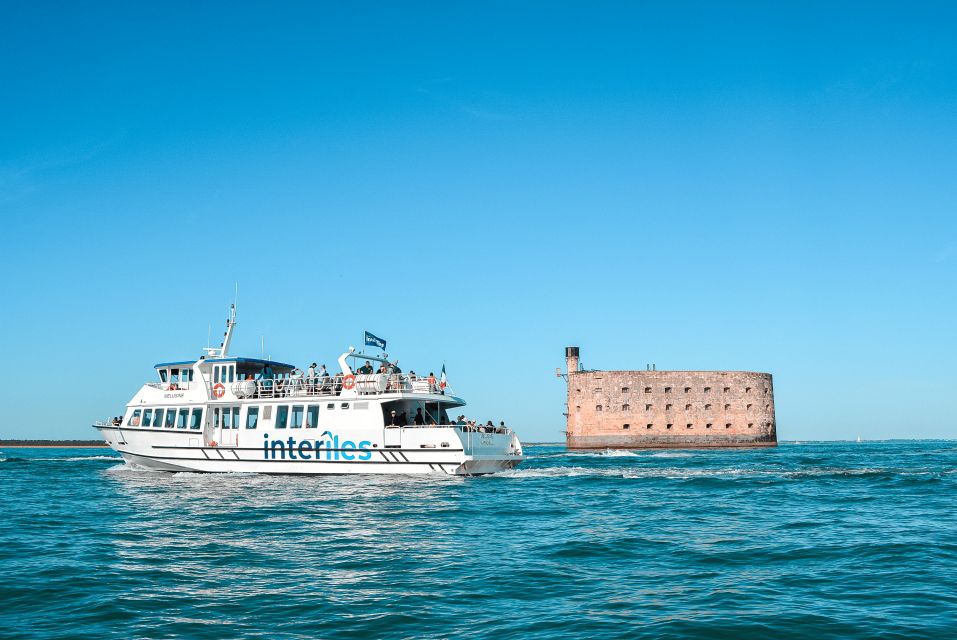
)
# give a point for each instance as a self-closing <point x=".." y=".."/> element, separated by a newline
<point x="669" y="454"/>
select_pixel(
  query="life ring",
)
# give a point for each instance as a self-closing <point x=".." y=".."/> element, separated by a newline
<point x="219" y="389"/>
<point x="349" y="381"/>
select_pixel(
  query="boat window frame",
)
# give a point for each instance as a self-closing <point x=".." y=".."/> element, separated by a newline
<point x="147" y="417"/>
<point x="134" y="419"/>
<point x="292" y="416"/>
<point x="196" y="418"/>
<point x="252" y="412"/>
<point x="182" y="415"/>
<point x="282" y="416"/>
<point x="312" y="416"/>
<point x="170" y="418"/>
<point x="158" y="417"/>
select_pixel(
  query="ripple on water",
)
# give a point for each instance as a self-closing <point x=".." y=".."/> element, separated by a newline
<point x="812" y="539"/>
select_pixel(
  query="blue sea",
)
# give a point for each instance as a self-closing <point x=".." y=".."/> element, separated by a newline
<point x="809" y="540"/>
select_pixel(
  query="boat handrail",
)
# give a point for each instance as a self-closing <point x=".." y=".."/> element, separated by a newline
<point x="373" y="384"/>
<point x="169" y="386"/>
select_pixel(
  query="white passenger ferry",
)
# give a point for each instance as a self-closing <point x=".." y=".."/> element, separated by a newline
<point x="222" y="413"/>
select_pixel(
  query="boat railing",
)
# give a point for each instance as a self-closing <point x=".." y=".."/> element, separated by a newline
<point x="169" y="386"/>
<point x="365" y="385"/>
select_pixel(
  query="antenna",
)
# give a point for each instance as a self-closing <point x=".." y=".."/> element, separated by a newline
<point x="236" y="299"/>
<point x="262" y="346"/>
<point x="209" y="335"/>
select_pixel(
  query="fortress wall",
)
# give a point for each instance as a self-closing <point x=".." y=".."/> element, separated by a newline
<point x="663" y="409"/>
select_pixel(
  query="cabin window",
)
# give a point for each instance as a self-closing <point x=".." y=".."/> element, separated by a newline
<point x="215" y="374"/>
<point x="170" y="418"/>
<point x="232" y="372"/>
<point x="181" y="418"/>
<point x="174" y="375"/>
<point x="164" y="375"/>
<point x="190" y="375"/>
<point x="282" y="416"/>
<point x="252" y="417"/>
<point x="296" y="417"/>
<point x="312" y="416"/>
<point x="216" y="422"/>
<point x="196" y="419"/>
<point x="235" y="417"/>
<point x="158" y="422"/>
<point x="147" y="417"/>
<point x="227" y="418"/>
<point x="134" y="420"/>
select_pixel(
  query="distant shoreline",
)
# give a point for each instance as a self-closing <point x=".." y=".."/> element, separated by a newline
<point x="52" y="444"/>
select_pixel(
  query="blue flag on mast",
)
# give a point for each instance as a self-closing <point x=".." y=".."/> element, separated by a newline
<point x="374" y="341"/>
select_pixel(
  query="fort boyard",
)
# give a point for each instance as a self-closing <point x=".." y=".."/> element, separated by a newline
<point x="667" y="409"/>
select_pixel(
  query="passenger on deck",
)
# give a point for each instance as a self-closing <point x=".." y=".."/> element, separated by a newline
<point x="412" y="376"/>
<point x="431" y="381"/>
<point x="296" y="381"/>
<point x="366" y="369"/>
<point x="502" y="428"/>
<point x="382" y="368"/>
<point x="419" y="419"/>
<point x="394" y="419"/>
<point x="460" y="421"/>
<point x="311" y="378"/>
<point x="403" y="418"/>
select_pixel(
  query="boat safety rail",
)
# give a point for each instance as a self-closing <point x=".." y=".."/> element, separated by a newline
<point x="365" y="384"/>
<point x="169" y="386"/>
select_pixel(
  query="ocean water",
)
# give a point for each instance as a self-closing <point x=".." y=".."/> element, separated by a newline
<point x="819" y="540"/>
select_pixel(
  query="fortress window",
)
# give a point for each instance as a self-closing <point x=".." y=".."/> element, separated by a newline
<point x="767" y="407"/>
<point x="707" y="406"/>
<point x="750" y="424"/>
<point x="597" y="407"/>
<point x="727" y="406"/>
<point x="690" y="426"/>
<point x="667" y="389"/>
<point x="687" y="407"/>
<point x="624" y="389"/>
<point x="648" y="426"/>
<point x="252" y="417"/>
<point x="766" y="391"/>
<point x="707" y="426"/>
<point x="647" y="407"/>
<point x="707" y="389"/>
<point x="727" y="426"/>
<point x="667" y="407"/>
<point x="626" y="426"/>
<point x="727" y="389"/>
<point x="626" y="407"/>
<point x="647" y="389"/>
<point x="598" y="390"/>
<point x="668" y="426"/>
<point x="749" y="406"/>
<point x="687" y="389"/>
<point x="747" y="389"/>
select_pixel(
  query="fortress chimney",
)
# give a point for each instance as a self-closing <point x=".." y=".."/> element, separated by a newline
<point x="571" y="359"/>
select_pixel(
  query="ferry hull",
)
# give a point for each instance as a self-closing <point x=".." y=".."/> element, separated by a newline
<point x="465" y="453"/>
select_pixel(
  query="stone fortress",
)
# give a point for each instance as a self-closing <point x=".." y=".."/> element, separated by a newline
<point x="667" y="409"/>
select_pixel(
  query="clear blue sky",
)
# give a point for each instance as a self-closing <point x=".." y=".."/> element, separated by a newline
<point x="699" y="185"/>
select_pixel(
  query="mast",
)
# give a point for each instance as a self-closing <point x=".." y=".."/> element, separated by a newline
<point x="223" y="349"/>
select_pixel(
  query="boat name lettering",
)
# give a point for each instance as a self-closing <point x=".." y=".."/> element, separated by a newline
<point x="174" y="395"/>
<point x="327" y="443"/>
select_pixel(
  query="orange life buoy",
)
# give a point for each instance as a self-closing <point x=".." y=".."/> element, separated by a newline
<point x="349" y="381"/>
<point x="219" y="390"/>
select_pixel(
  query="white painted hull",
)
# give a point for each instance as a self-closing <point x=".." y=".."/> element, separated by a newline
<point x="420" y="450"/>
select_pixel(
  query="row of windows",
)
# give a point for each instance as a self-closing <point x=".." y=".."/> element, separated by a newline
<point x="767" y="390"/>
<point x="291" y="416"/>
<point x="176" y="375"/>
<point x="669" y="407"/>
<point x="176" y="417"/>
<point x="688" y="426"/>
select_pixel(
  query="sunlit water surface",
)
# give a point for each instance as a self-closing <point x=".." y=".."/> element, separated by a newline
<point x="809" y="540"/>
